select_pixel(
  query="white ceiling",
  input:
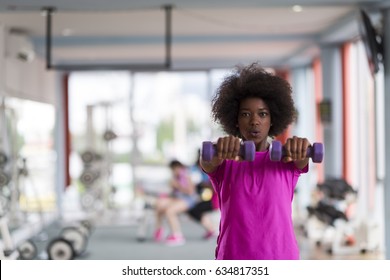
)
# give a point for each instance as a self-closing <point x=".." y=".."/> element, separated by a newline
<point x="205" y="33"/>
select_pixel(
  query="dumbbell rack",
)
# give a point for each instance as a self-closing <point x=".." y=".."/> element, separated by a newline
<point x="13" y="244"/>
<point x="96" y="176"/>
<point x="22" y="235"/>
<point x="71" y="242"/>
<point x="8" y="251"/>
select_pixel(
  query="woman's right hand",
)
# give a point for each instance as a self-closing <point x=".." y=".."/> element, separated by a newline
<point x="227" y="147"/>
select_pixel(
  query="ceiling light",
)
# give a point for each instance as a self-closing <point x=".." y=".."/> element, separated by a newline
<point x="67" y="32"/>
<point x="297" y="8"/>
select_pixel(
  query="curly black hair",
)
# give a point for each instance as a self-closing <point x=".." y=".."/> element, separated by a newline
<point x="253" y="81"/>
<point x="175" y="163"/>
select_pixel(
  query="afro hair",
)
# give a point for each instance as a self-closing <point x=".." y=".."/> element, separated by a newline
<point x="253" y="81"/>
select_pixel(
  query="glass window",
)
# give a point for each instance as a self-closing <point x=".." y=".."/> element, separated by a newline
<point x="155" y="116"/>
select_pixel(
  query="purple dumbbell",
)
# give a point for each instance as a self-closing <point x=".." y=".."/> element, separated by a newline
<point x="315" y="152"/>
<point x="247" y="150"/>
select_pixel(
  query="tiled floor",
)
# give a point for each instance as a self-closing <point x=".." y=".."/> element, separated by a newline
<point x="120" y="242"/>
<point x="115" y="237"/>
<point x="311" y="251"/>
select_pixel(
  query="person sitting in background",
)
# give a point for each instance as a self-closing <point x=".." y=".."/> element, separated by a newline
<point x="182" y="198"/>
<point x="207" y="203"/>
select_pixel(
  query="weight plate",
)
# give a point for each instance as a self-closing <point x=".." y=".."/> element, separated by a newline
<point x="4" y="178"/>
<point x="76" y="238"/>
<point x="87" y="201"/>
<point x="27" y="250"/>
<point x="88" y="157"/>
<point x="4" y="205"/>
<point x="3" y="159"/>
<point x="88" y="177"/>
<point x="60" y="249"/>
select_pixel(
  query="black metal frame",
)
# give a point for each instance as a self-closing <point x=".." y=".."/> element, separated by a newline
<point x="115" y="66"/>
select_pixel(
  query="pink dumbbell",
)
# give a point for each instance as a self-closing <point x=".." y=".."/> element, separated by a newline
<point x="315" y="152"/>
<point x="247" y="150"/>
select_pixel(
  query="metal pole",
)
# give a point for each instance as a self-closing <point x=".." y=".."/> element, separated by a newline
<point x="168" y="35"/>
<point x="48" y="13"/>
<point x="386" y="37"/>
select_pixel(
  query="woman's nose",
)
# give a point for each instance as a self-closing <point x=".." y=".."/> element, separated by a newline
<point x="254" y="120"/>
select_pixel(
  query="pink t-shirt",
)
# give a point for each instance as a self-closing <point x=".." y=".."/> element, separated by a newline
<point x="255" y="202"/>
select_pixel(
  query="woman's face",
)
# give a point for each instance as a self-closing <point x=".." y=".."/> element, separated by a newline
<point x="178" y="171"/>
<point x="254" y="120"/>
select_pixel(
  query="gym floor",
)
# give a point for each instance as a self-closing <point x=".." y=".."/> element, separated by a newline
<point x="119" y="241"/>
<point x="115" y="236"/>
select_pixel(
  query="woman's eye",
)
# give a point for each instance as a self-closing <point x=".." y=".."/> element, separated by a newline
<point x="263" y="114"/>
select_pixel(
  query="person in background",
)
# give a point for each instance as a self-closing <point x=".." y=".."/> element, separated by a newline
<point x="183" y="197"/>
<point x="207" y="204"/>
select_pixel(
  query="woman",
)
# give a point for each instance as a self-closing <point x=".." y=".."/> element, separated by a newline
<point x="182" y="199"/>
<point x="255" y="197"/>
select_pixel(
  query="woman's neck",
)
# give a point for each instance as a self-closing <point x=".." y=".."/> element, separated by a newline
<point x="262" y="146"/>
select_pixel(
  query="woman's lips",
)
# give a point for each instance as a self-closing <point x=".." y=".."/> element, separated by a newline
<point x="254" y="134"/>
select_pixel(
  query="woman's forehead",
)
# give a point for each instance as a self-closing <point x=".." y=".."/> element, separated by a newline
<point x="253" y="103"/>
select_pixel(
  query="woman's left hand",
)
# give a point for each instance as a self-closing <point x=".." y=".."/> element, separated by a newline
<point x="295" y="150"/>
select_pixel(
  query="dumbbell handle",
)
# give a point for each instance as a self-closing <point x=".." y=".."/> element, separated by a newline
<point x="247" y="150"/>
<point x="315" y="152"/>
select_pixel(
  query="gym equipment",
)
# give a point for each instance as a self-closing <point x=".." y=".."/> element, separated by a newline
<point x="4" y="179"/>
<point x="91" y="199"/>
<point x="147" y="203"/>
<point x="3" y="159"/>
<point x="27" y="250"/>
<point x="7" y="249"/>
<point x="60" y="249"/>
<point x="247" y="150"/>
<point x="98" y="193"/>
<point x="143" y="222"/>
<point x="87" y="201"/>
<point x="109" y="135"/>
<point x="86" y="227"/>
<point x="89" y="156"/>
<point x="4" y="204"/>
<point x="315" y="152"/>
<point x="77" y="238"/>
<point x="342" y="233"/>
<point x="71" y="242"/>
<point x="88" y="177"/>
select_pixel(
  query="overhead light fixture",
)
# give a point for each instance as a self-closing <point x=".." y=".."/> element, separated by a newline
<point x="47" y="10"/>
<point x="25" y="55"/>
<point x="67" y="32"/>
<point x="297" y="8"/>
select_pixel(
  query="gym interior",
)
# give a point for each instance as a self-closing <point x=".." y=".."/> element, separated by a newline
<point x="98" y="96"/>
